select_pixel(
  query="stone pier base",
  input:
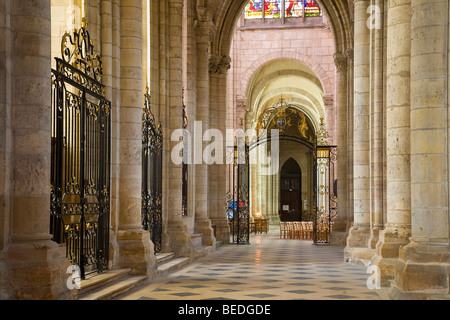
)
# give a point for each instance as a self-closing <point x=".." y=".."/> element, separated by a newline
<point x="178" y="239"/>
<point x="422" y="272"/>
<point x="339" y="234"/>
<point x="387" y="251"/>
<point x="38" y="270"/>
<point x="357" y="249"/>
<point x="136" y="252"/>
<point x="205" y="229"/>
<point x="222" y="230"/>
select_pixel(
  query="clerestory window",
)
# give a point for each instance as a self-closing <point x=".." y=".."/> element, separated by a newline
<point x="282" y="9"/>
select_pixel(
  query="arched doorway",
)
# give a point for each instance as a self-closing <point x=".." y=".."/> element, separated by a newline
<point x="290" y="191"/>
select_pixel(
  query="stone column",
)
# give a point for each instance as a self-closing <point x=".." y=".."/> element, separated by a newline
<point x="350" y="99"/>
<point x="377" y="125"/>
<point x="357" y="242"/>
<point x="37" y="265"/>
<point x="219" y="104"/>
<point x="398" y="225"/>
<point x="340" y="225"/>
<point x="136" y="251"/>
<point x="107" y="44"/>
<point x="177" y="232"/>
<point x="206" y="63"/>
<point x="422" y="270"/>
<point x="115" y="132"/>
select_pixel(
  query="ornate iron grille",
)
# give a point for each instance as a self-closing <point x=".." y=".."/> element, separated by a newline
<point x="81" y="144"/>
<point x="238" y="200"/>
<point x="152" y="145"/>
<point x="325" y="201"/>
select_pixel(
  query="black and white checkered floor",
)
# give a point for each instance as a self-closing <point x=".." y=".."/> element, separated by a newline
<point x="269" y="268"/>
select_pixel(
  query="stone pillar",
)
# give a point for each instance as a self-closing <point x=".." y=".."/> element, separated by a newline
<point x="107" y="44"/>
<point x="357" y="242"/>
<point x="217" y="213"/>
<point x="350" y="99"/>
<point x="206" y="63"/>
<point x="275" y="219"/>
<point x="339" y="233"/>
<point x="177" y="232"/>
<point x="398" y="225"/>
<point x="422" y="270"/>
<point x="136" y="251"/>
<point x="377" y="125"/>
<point x="37" y="265"/>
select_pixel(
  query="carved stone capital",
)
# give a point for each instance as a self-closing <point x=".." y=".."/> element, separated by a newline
<point x="340" y="60"/>
<point x="219" y="63"/>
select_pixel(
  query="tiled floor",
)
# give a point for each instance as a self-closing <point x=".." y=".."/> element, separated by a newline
<point x="269" y="268"/>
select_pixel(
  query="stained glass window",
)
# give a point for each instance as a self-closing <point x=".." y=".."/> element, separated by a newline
<point x="312" y="9"/>
<point x="272" y="9"/>
<point x="294" y="8"/>
<point x="253" y="9"/>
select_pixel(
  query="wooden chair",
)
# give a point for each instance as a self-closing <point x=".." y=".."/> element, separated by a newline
<point x="265" y="226"/>
<point x="310" y="230"/>
<point x="304" y="230"/>
<point x="290" y="226"/>
<point x="282" y="230"/>
<point x="297" y="230"/>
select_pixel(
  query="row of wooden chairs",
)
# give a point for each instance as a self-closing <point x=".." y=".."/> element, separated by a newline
<point x="302" y="230"/>
<point x="259" y="226"/>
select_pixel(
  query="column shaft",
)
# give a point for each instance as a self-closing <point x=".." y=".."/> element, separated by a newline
<point x="135" y="248"/>
<point x="176" y="232"/>
<point x="340" y="225"/>
<point x="357" y="242"/>
<point x="37" y="266"/>
<point x="398" y="167"/>
<point x="377" y="125"/>
<point x="422" y="269"/>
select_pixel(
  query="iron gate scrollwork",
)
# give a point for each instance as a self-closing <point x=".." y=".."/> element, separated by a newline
<point x="80" y="163"/>
<point x="238" y="200"/>
<point x="152" y="145"/>
<point x="325" y="200"/>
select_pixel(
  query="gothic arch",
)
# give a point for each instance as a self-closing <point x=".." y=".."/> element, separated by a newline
<point x="225" y="15"/>
<point x="310" y="62"/>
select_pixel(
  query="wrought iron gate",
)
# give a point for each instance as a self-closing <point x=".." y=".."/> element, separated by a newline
<point x="239" y="200"/>
<point x="325" y="200"/>
<point x="152" y="143"/>
<point x="80" y="164"/>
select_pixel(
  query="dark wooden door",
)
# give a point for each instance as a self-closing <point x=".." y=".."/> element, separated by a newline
<point x="290" y="192"/>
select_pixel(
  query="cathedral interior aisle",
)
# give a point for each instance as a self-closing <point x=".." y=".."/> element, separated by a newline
<point x="269" y="268"/>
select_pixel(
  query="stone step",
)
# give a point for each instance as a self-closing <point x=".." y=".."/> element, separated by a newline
<point x="112" y="290"/>
<point x="95" y="280"/>
<point x="164" y="256"/>
<point x="172" y="265"/>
